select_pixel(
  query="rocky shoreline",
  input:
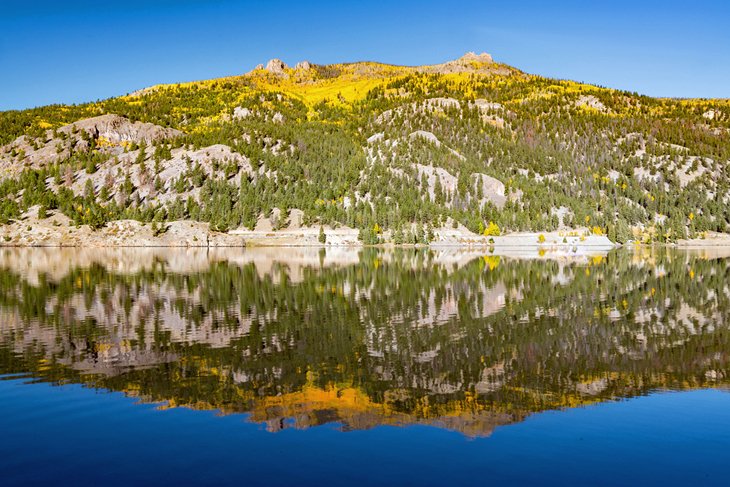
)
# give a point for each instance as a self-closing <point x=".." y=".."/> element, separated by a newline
<point x="57" y="230"/>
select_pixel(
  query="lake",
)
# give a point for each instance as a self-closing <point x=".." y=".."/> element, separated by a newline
<point x="363" y="367"/>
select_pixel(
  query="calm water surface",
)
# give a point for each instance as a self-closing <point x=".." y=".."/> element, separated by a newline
<point x="363" y="367"/>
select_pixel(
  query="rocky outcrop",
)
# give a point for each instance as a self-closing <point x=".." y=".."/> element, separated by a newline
<point x="489" y="110"/>
<point x="485" y="105"/>
<point x="58" y="231"/>
<point x="430" y="105"/>
<point x="210" y="160"/>
<point x="111" y="133"/>
<point x="468" y="63"/>
<point x="276" y="66"/>
<point x="115" y="128"/>
<point x="240" y="113"/>
<point x="303" y="65"/>
<point x="375" y="138"/>
<point x="591" y="102"/>
<point x="447" y="180"/>
<point x="428" y="136"/>
<point x="477" y="58"/>
<point x="492" y="189"/>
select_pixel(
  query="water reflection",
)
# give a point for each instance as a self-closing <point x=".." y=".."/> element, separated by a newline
<point x="302" y="337"/>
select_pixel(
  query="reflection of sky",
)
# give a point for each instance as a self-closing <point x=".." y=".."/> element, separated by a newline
<point x="72" y="435"/>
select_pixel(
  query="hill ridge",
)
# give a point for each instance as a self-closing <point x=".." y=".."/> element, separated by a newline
<point x="495" y="150"/>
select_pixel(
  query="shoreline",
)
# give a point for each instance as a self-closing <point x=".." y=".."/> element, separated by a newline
<point x="58" y="231"/>
<point x="435" y="246"/>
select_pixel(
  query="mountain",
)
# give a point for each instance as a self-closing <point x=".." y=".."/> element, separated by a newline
<point x="394" y="153"/>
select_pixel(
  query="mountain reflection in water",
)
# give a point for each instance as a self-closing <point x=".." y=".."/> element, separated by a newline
<point x="365" y="337"/>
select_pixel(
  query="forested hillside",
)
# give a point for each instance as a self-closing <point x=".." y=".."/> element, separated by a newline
<point x="392" y="151"/>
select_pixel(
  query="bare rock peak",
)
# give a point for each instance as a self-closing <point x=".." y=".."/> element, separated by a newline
<point x="468" y="63"/>
<point x="480" y="58"/>
<point x="276" y="66"/>
<point x="303" y="65"/>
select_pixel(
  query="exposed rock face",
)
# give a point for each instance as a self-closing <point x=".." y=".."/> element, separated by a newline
<point x="240" y="113"/>
<point x="111" y="131"/>
<point x="488" y="109"/>
<point x="447" y="180"/>
<point x="480" y="58"/>
<point x="430" y="137"/>
<point x="590" y="101"/>
<point x="427" y="136"/>
<point x="34" y="157"/>
<point x="493" y="189"/>
<point x="468" y="63"/>
<point x="296" y="218"/>
<point x="116" y="128"/>
<point x="303" y="65"/>
<point x="57" y="230"/>
<point x="375" y="137"/>
<point x="429" y="105"/>
<point x="435" y="103"/>
<point x="485" y="105"/>
<point x="210" y="160"/>
<point x="276" y="66"/>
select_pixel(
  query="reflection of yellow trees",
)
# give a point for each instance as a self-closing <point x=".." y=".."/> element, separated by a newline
<point x="471" y="413"/>
<point x="491" y="261"/>
<point x="345" y="401"/>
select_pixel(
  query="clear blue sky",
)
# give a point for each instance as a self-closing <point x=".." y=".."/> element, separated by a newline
<point x="82" y="50"/>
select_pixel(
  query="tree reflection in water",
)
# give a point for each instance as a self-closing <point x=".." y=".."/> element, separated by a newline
<point x="301" y="337"/>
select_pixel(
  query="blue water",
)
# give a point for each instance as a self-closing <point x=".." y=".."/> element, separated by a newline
<point x="73" y="435"/>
